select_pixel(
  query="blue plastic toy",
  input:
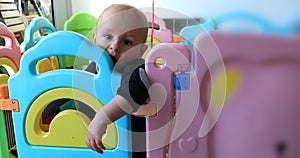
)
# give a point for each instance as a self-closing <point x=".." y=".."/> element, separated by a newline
<point x="292" y="23"/>
<point x="233" y="21"/>
<point x="65" y="136"/>
<point x="36" y="24"/>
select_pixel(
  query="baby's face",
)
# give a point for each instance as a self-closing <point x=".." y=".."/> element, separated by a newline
<point x="121" y="35"/>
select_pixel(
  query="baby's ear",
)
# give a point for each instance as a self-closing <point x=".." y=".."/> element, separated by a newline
<point x="94" y="37"/>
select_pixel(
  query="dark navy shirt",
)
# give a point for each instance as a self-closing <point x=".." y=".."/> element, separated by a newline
<point x="133" y="87"/>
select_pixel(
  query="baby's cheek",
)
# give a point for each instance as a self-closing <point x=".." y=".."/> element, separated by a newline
<point x="101" y="44"/>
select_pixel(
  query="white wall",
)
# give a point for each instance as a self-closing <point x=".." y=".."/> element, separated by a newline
<point x="95" y="7"/>
<point x="62" y="12"/>
<point x="274" y="10"/>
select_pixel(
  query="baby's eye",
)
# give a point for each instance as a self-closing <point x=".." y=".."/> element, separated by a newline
<point x="108" y="37"/>
<point x="127" y="42"/>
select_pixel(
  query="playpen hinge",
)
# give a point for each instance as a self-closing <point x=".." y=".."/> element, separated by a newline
<point x="182" y="81"/>
<point x="11" y="105"/>
<point x="5" y="102"/>
<point x="182" y="77"/>
<point x="148" y="110"/>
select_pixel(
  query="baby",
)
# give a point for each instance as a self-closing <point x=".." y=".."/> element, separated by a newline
<point x="122" y="31"/>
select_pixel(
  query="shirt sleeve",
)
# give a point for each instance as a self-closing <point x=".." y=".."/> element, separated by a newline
<point x="132" y="87"/>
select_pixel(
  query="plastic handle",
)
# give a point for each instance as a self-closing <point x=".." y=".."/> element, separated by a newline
<point x="65" y="43"/>
<point x="36" y="24"/>
<point x="10" y="50"/>
<point x="8" y="36"/>
<point x="191" y="32"/>
<point x="263" y="24"/>
<point x="40" y="23"/>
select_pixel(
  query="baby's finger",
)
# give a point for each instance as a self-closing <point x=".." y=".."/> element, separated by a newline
<point x="100" y="144"/>
<point x="98" y="150"/>
<point x="95" y="147"/>
<point x="91" y="143"/>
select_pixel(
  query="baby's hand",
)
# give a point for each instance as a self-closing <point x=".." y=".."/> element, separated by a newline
<point x="96" y="129"/>
<point x="94" y="143"/>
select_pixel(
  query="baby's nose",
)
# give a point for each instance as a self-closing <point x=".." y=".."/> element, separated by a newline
<point x="114" y="48"/>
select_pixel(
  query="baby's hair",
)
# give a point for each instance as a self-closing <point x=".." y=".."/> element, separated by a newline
<point x="116" y="8"/>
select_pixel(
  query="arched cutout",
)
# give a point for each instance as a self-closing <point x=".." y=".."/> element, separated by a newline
<point x="69" y="125"/>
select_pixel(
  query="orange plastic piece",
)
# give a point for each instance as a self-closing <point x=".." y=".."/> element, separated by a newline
<point x="5" y="102"/>
<point x="149" y="110"/>
<point x="178" y="39"/>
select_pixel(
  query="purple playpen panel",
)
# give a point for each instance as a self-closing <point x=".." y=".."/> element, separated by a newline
<point x="259" y="118"/>
<point x="161" y="77"/>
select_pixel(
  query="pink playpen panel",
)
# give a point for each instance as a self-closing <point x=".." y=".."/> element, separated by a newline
<point x="258" y="113"/>
<point x="160" y="76"/>
<point x="241" y="98"/>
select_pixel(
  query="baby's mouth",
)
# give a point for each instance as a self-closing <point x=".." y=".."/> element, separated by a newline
<point x="114" y="60"/>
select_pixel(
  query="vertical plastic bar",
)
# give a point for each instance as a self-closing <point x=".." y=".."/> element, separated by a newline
<point x="3" y="138"/>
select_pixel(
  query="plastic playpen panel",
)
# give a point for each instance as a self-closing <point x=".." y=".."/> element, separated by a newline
<point x="240" y="99"/>
<point x="27" y="86"/>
